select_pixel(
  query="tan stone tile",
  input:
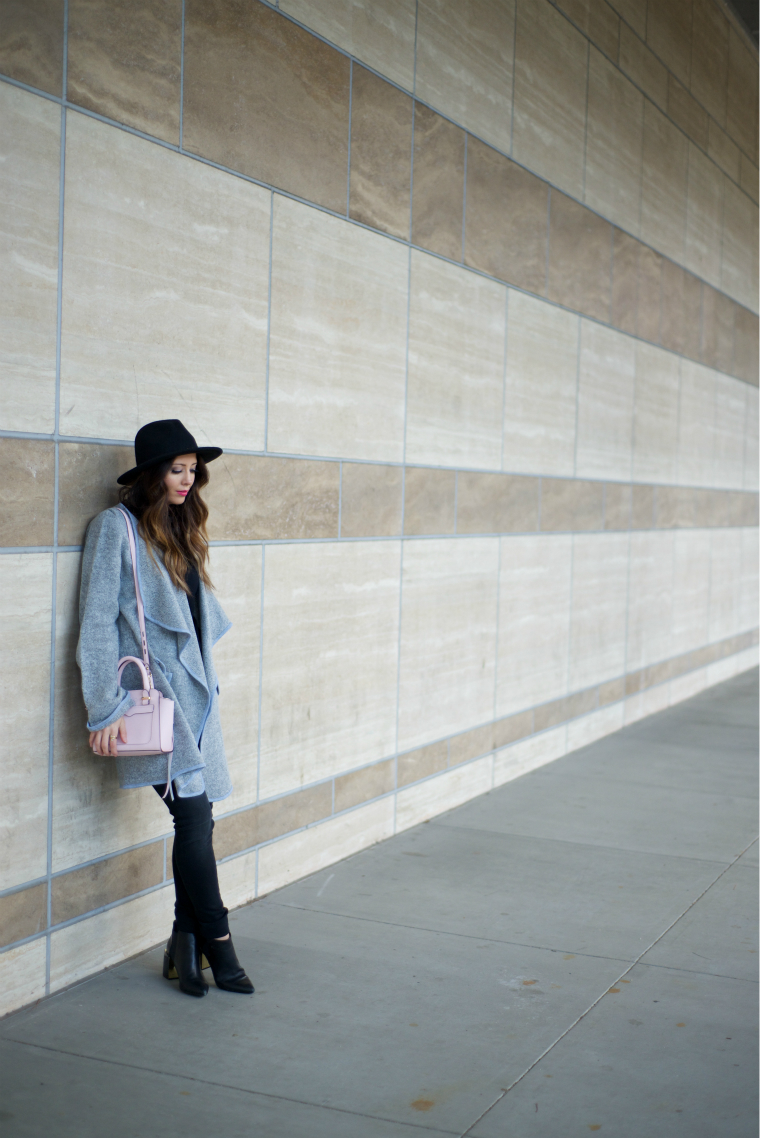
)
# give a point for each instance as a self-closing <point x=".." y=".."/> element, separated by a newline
<point x="718" y="320"/>
<point x="31" y="43"/>
<point x="597" y="20"/>
<point x="613" y="144"/>
<point x="634" y="12"/>
<point x="540" y="387"/>
<point x="438" y="185"/>
<point x="512" y="728"/>
<point x="27" y="469"/>
<point x="22" y="975"/>
<point x="361" y="786"/>
<point x="182" y="325"/>
<point x="381" y="154"/>
<point x="415" y="765"/>
<point x="655" y="417"/>
<point x="327" y="704"/>
<point x="319" y="846"/>
<point x="686" y="112"/>
<point x="251" y="497"/>
<point x="611" y="692"/>
<point x="25" y="615"/>
<point x="675" y="507"/>
<point x="506" y="219"/>
<point x="649" y="298"/>
<point x="643" y="509"/>
<point x="617" y="505"/>
<point x="336" y="379"/>
<point x="265" y="97"/>
<point x="464" y="63"/>
<point x="247" y="828"/>
<point x="22" y="914"/>
<point x="738" y="269"/>
<point x="448" y="637"/>
<point x="496" y="503"/>
<point x="429" y="501"/>
<point x="417" y="804"/>
<point x="598" y="610"/>
<point x="569" y="504"/>
<point x="371" y="500"/>
<point x="669" y="35"/>
<point x="634" y="682"/>
<point x="644" y="68"/>
<point x="550" y="115"/>
<point x="692" y="297"/>
<point x="29" y="193"/>
<point x="529" y="755"/>
<point x="580" y="258"/>
<point x="87" y="474"/>
<point x="560" y="710"/>
<point x="605" y="403"/>
<point x="455" y="387"/>
<point x="741" y="101"/>
<point x="704" y="216"/>
<point x="106" y="881"/>
<point x="471" y="744"/>
<point x="748" y="176"/>
<point x="746" y="345"/>
<point x="625" y="277"/>
<point x="534" y="617"/>
<point x="663" y="184"/>
<point x="709" y="57"/>
<point x="124" y="62"/>
<point x="380" y="33"/>
<point x="723" y="150"/>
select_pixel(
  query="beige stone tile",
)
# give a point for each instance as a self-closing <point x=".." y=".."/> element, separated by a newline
<point x="562" y="710"/>
<point x="704" y="217"/>
<point x="738" y="275"/>
<point x="361" y="786"/>
<point x="380" y="33"/>
<point x="506" y="222"/>
<point x="613" y="144"/>
<point x="617" y="506"/>
<point x="611" y="691"/>
<point x="236" y="574"/>
<point x="663" y="184"/>
<point x="22" y="975"/>
<point x="741" y="100"/>
<point x="634" y="12"/>
<point x="421" y="763"/>
<point x="723" y="150"/>
<point x="751" y="441"/>
<point x="605" y="403"/>
<point x="541" y="385"/>
<point x="709" y="57"/>
<point x="416" y="804"/>
<point x="580" y="258"/>
<point x="319" y="846"/>
<point x="237" y="880"/>
<point x="265" y="97"/>
<point x="381" y="153"/>
<point x="327" y="705"/>
<point x="181" y="325"/>
<point x="642" y="66"/>
<point x="696" y="430"/>
<point x="686" y="112"/>
<point x="598" y="608"/>
<point x="571" y="505"/>
<point x="371" y="500"/>
<point x="595" y="726"/>
<point x="690" y="589"/>
<point x="87" y="474"/>
<point x="748" y="590"/>
<point x="23" y="913"/>
<point x="471" y="744"/>
<point x="746" y="346"/>
<point x="650" y="599"/>
<point x="534" y="621"/>
<point x="512" y="728"/>
<point x="684" y="687"/>
<point x="597" y="20"/>
<point x="496" y="503"/>
<point x="643" y="507"/>
<point x="655" y="416"/>
<point x="27" y="469"/>
<point x="29" y="190"/>
<point x="448" y="637"/>
<point x="25" y="616"/>
<point x="647" y="702"/>
<point x="718" y="329"/>
<point x="625" y="277"/>
<point x="465" y="50"/>
<point x="124" y="62"/>
<point x="252" y="497"/>
<point x="692" y="315"/>
<point x="730" y="413"/>
<point x="106" y="881"/>
<point x="550" y="114"/>
<point x="649" y="298"/>
<point x="429" y="501"/>
<point x="529" y="755"/>
<point x="99" y="942"/>
<point x="748" y="177"/>
<point x="336" y="378"/>
<point x="31" y="43"/>
<point x="92" y="817"/>
<point x="438" y="184"/>
<point x="455" y="386"/>
<point x="725" y="584"/>
<point x="246" y="828"/>
<point x="673" y="309"/>
<point x="669" y="35"/>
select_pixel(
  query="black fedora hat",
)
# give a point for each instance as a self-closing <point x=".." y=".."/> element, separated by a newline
<point x="163" y="440"/>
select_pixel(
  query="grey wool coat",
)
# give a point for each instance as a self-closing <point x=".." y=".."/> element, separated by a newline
<point x="109" y="629"/>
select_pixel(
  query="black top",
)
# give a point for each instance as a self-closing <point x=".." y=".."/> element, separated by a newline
<point x="193" y="582"/>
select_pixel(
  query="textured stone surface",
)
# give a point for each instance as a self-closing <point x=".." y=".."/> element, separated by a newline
<point x="381" y="154"/>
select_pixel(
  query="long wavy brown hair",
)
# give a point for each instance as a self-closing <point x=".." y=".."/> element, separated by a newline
<point x="178" y="532"/>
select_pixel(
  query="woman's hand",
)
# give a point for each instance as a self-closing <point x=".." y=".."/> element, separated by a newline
<point x="104" y="742"/>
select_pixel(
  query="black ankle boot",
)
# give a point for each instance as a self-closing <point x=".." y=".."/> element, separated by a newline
<point x="227" y="969"/>
<point x="182" y="958"/>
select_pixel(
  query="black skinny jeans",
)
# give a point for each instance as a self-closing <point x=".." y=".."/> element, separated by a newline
<point x="198" y="906"/>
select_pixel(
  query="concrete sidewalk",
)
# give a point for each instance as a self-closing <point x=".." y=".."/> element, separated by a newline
<point x="574" y="952"/>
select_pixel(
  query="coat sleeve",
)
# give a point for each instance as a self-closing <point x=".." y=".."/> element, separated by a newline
<point x="98" y="648"/>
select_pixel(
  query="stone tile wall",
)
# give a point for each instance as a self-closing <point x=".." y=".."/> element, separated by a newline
<point x="467" y="292"/>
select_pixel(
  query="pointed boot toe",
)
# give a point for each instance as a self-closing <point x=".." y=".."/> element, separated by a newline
<point x="227" y="970"/>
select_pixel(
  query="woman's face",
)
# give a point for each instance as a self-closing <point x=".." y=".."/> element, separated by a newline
<point x="180" y="478"/>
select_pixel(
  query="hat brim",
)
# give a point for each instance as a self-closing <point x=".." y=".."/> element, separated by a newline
<point x="208" y="454"/>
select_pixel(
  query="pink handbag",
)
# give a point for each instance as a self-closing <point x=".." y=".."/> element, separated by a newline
<point x="149" y="722"/>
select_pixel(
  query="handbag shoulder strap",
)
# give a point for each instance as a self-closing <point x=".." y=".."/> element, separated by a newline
<point x="138" y="595"/>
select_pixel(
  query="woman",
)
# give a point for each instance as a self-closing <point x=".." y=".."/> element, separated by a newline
<point x="184" y="620"/>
